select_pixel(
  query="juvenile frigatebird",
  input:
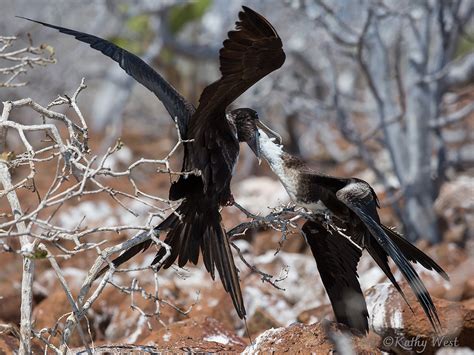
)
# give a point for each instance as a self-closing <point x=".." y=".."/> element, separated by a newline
<point x="350" y="204"/>
<point x="251" y="52"/>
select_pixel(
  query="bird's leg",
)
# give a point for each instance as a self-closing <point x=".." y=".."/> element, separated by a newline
<point x="226" y="198"/>
<point x="244" y="211"/>
<point x="230" y="200"/>
<point x="327" y="222"/>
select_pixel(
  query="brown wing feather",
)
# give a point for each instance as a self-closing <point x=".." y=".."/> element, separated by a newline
<point x="252" y="51"/>
<point x="337" y="259"/>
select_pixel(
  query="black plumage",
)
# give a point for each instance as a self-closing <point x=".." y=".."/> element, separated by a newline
<point x="351" y="204"/>
<point x="252" y="51"/>
<point x="337" y="259"/>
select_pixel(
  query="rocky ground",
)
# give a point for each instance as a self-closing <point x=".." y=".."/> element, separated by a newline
<point x="195" y="314"/>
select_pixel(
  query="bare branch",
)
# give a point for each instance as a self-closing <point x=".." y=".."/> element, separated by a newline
<point x="92" y="175"/>
<point x="28" y="264"/>
<point x="24" y="58"/>
<point x="453" y="117"/>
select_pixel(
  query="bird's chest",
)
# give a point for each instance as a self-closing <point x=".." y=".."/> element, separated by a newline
<point x="234" y="161"/>
<point x="289" y="181"/>
<point x="320" y="201"/>
<point x="311" y="196"/>
<point x="315" y="206"/>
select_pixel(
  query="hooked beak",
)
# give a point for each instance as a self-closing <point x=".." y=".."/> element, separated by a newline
<point x="254" y="144"/>
<point x="270" y="132"/>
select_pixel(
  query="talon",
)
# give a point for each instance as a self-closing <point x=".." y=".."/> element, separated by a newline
<point x="230" y="201"/>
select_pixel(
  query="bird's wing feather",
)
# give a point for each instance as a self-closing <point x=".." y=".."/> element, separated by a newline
<point x="337" y="259"/>
<point x="251" y="52"/>
<point x="364" y="206"/>
<point x="175" y="104"/>
<point x="215" y="155"/>
<point x="413" y="253"/>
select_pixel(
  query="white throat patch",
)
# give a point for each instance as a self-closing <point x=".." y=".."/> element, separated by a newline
<point x="273" y="154"/>
<point x="271" y="151"/>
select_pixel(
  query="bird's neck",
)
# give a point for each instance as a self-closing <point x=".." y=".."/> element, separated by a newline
<point x="281" y="163"/>
<point x="272" y="152"/>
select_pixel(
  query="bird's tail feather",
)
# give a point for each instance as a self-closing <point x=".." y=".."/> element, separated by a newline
<point x="391" y="248"/>
<point x="200" y="229"/>
<point x="380" y="257"/>
<point x="169" y="222"/>
<point x="195" y="226"/>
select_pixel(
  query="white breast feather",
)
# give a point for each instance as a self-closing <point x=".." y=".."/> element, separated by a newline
<point x="272" y="153"/>
<point x="316" y="207"/>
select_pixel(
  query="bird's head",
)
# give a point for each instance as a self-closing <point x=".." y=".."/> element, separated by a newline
<point x="247" y="124"/>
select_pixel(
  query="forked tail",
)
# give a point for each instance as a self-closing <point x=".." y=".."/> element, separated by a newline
<point x="195" y="226"/>
<point x="200" y="229"/>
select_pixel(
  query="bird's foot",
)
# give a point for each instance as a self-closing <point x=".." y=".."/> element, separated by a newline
<point x="327" y="222"/>
<point x="230" y="201"/>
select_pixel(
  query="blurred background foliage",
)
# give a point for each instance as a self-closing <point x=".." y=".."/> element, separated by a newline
<point x="181" y="15"/>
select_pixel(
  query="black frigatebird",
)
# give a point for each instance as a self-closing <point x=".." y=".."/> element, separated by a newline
<point x="251" y="52"/>
<point x="351" y="205"/>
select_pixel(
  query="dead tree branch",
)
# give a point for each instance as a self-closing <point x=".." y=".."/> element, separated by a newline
<point x="21" y="59"/>
<point x="399" y="63"/>
<point x="78" y="174"/>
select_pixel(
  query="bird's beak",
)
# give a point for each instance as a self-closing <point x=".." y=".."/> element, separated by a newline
<point x="270" y="132"/>
<point x="254" y="144"/>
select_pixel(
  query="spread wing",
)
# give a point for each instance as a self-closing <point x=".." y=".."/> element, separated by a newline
<point x="359" y="197"/>
<point x="360" y="237"/>
<point x="175" y="104"/>
<point x="251" y="52"/>
<point x="337" y="259"/>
